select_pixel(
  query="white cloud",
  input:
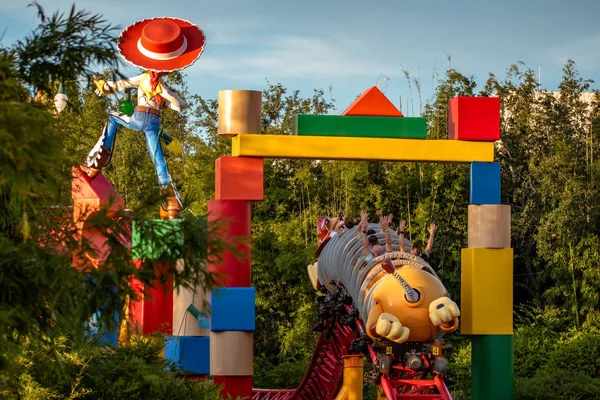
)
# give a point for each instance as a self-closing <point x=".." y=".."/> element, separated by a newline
<point x="291" y="56"/>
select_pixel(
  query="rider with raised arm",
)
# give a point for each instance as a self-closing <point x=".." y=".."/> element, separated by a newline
<point x="416" y="249"/>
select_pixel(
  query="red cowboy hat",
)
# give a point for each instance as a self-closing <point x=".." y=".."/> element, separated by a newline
<point x="162" y="44"/>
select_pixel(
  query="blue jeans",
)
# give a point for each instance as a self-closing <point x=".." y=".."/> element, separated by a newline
<point x="149" y="124"/>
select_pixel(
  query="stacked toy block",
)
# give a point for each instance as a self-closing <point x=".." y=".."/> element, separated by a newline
<point x="371" y="115"/>
<point x="368" y="125"/>
<point x="373" y="122"/>
<point x="151" y="242"/>
<point x="487" y="263"/>
<point x="91" y="197"/>
<point x="189" y="347"/>
<point x="238" y="182"/>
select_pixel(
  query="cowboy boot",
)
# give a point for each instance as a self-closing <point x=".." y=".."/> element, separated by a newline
<point x="94" y="164"/>
<point x="171" y="209"/>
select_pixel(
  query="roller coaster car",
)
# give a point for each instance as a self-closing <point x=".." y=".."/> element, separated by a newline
<point x="393" y="309"/>
<point x="401" y="308"/>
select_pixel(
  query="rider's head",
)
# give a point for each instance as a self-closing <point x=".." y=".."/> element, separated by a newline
<point x="377" y="250"/>
<point x="416" y="249"/>
<point x="373" y="240"/>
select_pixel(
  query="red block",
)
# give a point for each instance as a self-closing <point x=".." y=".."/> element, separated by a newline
<point x="84" y="187"/>
<point x="373" y="103"/>
<point x="153" y="312"/>
<point x="474" y="118"/>
<point x="90" y="196"/>
<point x="231" y="219"/>
<point x="239" y="178"/>
<point x="136" y="307"/>
<point x="235" y="386"/>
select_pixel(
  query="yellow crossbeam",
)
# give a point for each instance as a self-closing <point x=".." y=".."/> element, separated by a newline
<point x="355" y="148"/>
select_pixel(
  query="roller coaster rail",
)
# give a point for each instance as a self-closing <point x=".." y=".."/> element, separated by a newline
<point x="323" y="378"/>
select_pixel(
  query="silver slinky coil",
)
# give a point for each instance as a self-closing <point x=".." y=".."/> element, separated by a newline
<point x="342" y="261"/>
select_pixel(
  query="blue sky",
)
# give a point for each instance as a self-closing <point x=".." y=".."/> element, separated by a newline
<point x="349" y="45"/>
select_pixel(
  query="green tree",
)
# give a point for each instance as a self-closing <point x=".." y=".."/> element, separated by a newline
<point x="41" y="294"/>
<point x="548" y="152"/>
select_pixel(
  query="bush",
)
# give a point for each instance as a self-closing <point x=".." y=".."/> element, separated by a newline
<point x="553" y="361"/>
<point x="537" y="334"/>
<point x="90" y="371"/>
<point x="287" y="375"/>
<point x="558" y="385"/>
<point x="459" y="364"/>
<point x="578" y="351"/>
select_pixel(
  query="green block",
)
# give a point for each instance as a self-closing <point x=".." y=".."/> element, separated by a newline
<point x="492" y="366"/>
<point x="355" y="126"/>
<point x="157" y="239"/>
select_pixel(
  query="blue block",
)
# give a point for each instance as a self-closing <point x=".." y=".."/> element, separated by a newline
<point x="190" y="353"/>
<point x="104" y="337"/>
<point x="233" y="309"/>
<point x="485" y="183"/>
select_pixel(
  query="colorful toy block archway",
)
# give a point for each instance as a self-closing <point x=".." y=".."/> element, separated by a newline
<point x="370" y="122"/>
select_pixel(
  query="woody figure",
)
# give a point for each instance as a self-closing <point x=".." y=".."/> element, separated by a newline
<point x="159" y="46"/>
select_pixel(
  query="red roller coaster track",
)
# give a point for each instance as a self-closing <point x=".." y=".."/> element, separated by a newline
<point x="323" y="378"/>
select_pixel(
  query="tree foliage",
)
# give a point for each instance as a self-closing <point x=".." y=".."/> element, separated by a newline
<point x="63" y="48"/>
<point x="41" y="295"/>
<point x="89" y="371"/>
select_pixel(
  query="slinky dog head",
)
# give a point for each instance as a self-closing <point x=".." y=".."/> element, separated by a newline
<point x="406" y="293"/>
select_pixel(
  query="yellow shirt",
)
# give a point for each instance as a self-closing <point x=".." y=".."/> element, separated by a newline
<point x="146" y="94"/>
<point x="146" y="87"/>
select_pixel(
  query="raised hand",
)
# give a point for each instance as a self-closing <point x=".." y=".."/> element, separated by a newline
<point x="384" y="222"/>
<point x="338" y="226"/>
<point x="364" y="219"/>
<point x="402" y="227"/>
<point x="432" y="229"/>
<point x="99" y="83"/>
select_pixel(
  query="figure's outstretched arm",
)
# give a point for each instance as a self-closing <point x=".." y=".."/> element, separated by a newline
<point x="106" y="87"/>
<point x="175" y="101"/>
<point x="432" y="230"/>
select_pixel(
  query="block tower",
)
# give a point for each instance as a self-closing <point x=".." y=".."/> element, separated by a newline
<point x="92" y="197"/>
<point x="238" y="182"/>
<point x="487" y="263"/>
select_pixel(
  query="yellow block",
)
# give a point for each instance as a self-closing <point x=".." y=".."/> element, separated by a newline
<point x="486" y="292"/>
<point x="489" y="226"/>
<point x="231" y="353"/>
<point x="358" y="148"/>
